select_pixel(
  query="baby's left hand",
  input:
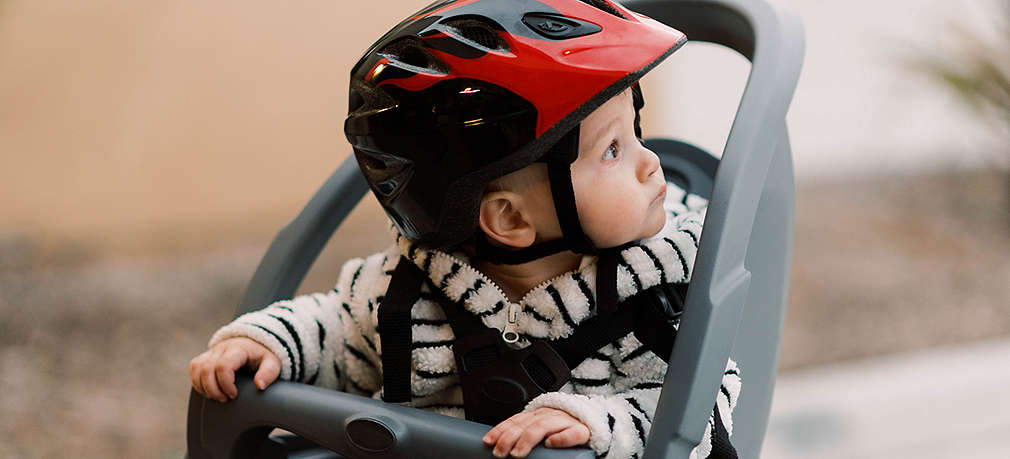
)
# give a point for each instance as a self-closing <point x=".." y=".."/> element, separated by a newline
<point x="520" y="433"/>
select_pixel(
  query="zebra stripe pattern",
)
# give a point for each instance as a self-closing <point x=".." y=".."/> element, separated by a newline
<point x="331" y="339"/>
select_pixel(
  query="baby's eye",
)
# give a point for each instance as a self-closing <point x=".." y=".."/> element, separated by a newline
<point x="611" y="152"/>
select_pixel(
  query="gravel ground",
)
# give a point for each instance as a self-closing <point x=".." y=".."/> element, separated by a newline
<point x="898" y="264"/>
<point x="93" y="352"/>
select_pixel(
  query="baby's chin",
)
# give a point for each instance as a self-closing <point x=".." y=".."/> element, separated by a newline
<point x="649" y="227"/>
<point x="647" y="231"/>
<point x="654" y="226"/>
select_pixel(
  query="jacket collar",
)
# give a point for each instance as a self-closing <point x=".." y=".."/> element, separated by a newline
<point x="552" y="309"/>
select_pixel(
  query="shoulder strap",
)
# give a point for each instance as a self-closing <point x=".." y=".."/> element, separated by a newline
<point x="652" y="314"/>
<point x="594" y="333"/>
<point x="461" y="320"/>
<point x="394" y="329"/>
<point x="658" y="316"/>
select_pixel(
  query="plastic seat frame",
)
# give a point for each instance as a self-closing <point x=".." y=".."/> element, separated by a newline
<point x="740" y="278"/>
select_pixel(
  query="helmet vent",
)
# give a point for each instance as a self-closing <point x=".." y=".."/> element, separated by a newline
<point x="605" y="6"/>
<point x="410" y="52"/>
<point x="478" y="32"/>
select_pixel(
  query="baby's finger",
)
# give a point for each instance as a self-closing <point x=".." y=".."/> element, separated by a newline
<point x="512" y="428"/>
<point x="195" y="369"/>
<point x="269" y="370"/>
<point x="535" y="431"/>
<point x="209" y="379"/>
<point x="572" y="436"/>
<point x="492" y="435"/>
<point x="230" y="360"/>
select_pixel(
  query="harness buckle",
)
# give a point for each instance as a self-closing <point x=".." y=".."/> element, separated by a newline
<point x="499" y="381"/>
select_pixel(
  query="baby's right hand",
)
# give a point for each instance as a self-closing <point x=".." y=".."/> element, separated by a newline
<point x="213" y="372"/>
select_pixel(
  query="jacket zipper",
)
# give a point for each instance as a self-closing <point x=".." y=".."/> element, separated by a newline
<point x="510" y="333"/>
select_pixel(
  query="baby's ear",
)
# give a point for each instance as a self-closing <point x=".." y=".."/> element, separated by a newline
<point x="505" y="219"/>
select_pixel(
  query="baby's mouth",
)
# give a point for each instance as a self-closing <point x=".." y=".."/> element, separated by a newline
<point x="662" y="193"/>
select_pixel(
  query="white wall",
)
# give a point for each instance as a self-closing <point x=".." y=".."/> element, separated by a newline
<point x="859" y="107"/>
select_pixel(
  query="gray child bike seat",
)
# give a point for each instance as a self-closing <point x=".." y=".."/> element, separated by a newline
<point x="735" y="305"/>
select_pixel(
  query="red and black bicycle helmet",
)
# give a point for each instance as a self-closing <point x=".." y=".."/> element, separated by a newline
<point x="466" y="91"/>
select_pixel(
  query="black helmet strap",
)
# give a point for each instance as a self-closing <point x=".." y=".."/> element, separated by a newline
<point x="637" y="101"/>
<point x="559" y="161"/>
<point x="559" y="172"/>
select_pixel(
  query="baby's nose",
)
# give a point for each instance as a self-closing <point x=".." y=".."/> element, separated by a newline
<point x="649" y="164"/>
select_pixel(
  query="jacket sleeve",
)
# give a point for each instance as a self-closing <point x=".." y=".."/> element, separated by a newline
<point x="319" y="337"/>
<point x="619" y="423"/>
<point x="679" y="201"/>
<point x="715" y="442"/>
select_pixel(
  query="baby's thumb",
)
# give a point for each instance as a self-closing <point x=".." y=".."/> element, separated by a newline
<point x="268" y="371"/>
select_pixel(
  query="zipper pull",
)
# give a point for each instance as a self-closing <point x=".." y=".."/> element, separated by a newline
<point x="510" y="334"/>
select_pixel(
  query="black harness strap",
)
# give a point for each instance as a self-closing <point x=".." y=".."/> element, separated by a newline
<point x="606" y="280"/>
<point x="651" y="314"/>
<point x="499" y="381"/>
<point x="514" y="376"/>
<point x="594" y="333"/>
<point x="659" y="310"/>
<point x="394" y="330"/>
<point x="461" y="320"/>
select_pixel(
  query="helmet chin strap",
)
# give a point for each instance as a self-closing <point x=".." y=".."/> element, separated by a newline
<point x="559" y="172"/>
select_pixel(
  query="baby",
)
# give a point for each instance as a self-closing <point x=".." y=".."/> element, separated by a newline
<point x="502" y="138"/>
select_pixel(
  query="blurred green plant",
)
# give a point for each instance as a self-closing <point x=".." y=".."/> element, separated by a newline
<point x="981" y="77"/>
<point x="977" y="69"/>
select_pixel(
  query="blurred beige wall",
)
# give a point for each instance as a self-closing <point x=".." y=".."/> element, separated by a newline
<point x="132" y="125"/>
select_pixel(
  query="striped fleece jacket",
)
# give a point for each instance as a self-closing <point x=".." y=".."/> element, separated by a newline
<point x="330" y="339"/>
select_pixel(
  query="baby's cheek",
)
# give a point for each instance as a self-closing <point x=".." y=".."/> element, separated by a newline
<point x="612" y="226"/>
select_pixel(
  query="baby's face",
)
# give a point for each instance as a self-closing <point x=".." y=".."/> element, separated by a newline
<point x="619" y="184"/>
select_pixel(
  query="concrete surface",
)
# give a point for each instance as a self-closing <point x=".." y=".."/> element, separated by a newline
<point x="938" y="403"/>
